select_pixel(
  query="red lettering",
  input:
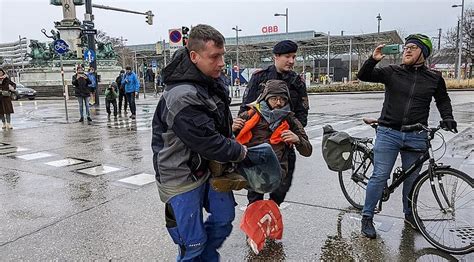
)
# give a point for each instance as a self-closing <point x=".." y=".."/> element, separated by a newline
<point x="270" y="29"/>
<point x="264" y="29"/>
<point x="275" y="29"/>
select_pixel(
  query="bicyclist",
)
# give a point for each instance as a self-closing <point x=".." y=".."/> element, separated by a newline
<point x="409" y="89"/>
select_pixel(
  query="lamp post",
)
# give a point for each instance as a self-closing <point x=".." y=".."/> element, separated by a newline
<point x="378" y="23"/>
<point x="286" y="16"/>
<point x="122" y="47"/>
<point x="22" y="56"/>
<point x="460" y="39"/>
<point x="236" y="28"/>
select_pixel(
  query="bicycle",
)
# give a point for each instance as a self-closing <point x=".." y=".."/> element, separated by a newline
<point x="441" y="198"/>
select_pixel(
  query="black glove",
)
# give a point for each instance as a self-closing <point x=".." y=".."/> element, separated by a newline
<point x="449" y="125"/>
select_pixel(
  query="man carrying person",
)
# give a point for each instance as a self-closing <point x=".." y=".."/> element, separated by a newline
<point x="192" y="125"/>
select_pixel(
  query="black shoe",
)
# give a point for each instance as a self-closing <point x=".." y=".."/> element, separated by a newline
<point x="132" y="117"/>
<point x="367" y="228"/>
<point x="89" y="119"/>
<point x="410" y="220"/>
<point x="81" y="119"/>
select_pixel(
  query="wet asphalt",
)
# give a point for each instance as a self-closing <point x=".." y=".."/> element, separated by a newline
<point x="73" y="191"/>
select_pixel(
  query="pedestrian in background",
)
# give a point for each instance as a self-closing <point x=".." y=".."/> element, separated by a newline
<point x="6" y="106"/>
<point x="111" y="94"/>
<point x="93" y="85"/>
<point x="121" y="93"/>
<point x="81" y="83"/>
<point x="132" y="86"/>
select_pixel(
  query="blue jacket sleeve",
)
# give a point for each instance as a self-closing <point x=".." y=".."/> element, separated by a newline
<point x="197" y="131"/>
<point x="123" y="80"/>
<point x="137" y="83"/>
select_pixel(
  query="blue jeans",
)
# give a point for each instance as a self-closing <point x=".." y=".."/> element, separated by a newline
<point x="131" y="102"/>
<point x="198" y="240"/>
<point x="84" y="100"/>
<point x="388" y="144"/>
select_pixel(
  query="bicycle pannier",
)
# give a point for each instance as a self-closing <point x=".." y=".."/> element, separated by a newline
<point x="337" y="149"/>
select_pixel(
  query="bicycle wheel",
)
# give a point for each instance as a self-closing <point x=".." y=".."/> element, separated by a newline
<point x="354" y="180"/>
<point x="449" y="228"/>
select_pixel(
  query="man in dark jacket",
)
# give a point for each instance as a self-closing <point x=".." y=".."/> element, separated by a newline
<point x="81" y="83"/>
<point x="192" y="125"/>
<point x="409" y="89"/>
<point x="282" y="69"/>
<point x="122" y="96"/>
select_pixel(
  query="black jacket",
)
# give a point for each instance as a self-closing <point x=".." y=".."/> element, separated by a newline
<point x="192" y="123"/>
<point x="408" y="93"/>
<point x="299" y="98"/>
<point x="81" y="86"/>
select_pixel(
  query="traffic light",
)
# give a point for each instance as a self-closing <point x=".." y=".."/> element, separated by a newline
<point x="149" y="17"/>
<point x="184" y="31"/>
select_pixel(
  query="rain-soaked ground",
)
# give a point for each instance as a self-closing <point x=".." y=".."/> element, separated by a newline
<point x="72" y="191"/>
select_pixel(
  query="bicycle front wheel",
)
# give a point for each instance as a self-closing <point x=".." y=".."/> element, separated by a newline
<point x="354" y="180"/>
<point x="447" y="225"/>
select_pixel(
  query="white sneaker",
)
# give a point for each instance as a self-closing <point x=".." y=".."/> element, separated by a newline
<point x="9" y="126"/>
<point x="4" y="126"/>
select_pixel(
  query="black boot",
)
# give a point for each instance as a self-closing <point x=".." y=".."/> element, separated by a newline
<point x="367" y="228"/>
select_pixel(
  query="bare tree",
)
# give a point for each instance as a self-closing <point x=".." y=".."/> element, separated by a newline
<point x="451" y="36"/>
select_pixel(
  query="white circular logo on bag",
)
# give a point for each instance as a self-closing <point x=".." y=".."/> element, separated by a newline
<point x="346" y="155"/>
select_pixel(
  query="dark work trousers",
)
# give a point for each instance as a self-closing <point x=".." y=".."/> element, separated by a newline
<point x="279" y="194"/>
<point x="114" y="104"/>
<point x="123" y="98"/>
<point x="131" y="102"/>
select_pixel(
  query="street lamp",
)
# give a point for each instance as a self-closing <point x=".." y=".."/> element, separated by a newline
<point x="236" y="28"/>
<point x="378" y="23"/>
<point x="460" y="38"/>
<point x="23" y="55"/>
<point x="286" y="16"/>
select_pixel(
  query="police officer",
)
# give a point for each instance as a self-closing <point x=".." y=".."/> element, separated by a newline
<point x="284" y="60"/>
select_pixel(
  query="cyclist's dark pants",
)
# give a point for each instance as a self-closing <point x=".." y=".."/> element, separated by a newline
<point x="122" y="98"/>
<point x="388" y="144"/>
<point x="280" y="193"/>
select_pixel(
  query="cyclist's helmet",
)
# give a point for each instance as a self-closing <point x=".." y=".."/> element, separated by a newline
<point x="422" y="41"/>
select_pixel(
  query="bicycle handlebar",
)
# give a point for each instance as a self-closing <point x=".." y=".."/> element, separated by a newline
<point x="415" y="127"/>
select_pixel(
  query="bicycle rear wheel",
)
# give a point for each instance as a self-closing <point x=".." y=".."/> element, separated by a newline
<point x="354" y="180"/>
<point x="449" y="228"/>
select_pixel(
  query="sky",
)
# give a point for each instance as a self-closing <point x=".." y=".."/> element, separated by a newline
<point x="28" y="17"/>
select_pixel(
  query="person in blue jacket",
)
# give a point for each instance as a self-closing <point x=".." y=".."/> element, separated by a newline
<point x="93" y="85"/>
<point x="132" y="86"/>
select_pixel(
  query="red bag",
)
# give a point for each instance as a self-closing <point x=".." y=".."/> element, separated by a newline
<point x="262" y="219"/>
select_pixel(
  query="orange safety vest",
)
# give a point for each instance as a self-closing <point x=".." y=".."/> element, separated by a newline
<point x="246" y="133"/>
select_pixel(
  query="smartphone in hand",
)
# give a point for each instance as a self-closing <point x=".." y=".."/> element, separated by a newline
<point x="391" y="49"/>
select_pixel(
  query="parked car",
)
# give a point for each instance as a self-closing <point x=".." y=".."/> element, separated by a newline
<point x="22" y="91"/>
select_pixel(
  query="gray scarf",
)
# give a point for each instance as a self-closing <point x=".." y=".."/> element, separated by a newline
<point x="275" y="116"/>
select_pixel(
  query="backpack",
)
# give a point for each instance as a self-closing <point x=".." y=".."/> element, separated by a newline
<point x="337" y="149"/>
